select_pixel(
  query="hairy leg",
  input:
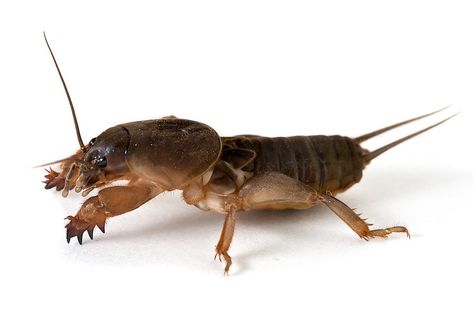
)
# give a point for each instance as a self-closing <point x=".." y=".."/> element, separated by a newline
<point x="109" y="202"/>
<point x="354" y="221"/>
<point x="276" y="191"/>
<point x="268" y="191"/>
<point x="226" y="236"/>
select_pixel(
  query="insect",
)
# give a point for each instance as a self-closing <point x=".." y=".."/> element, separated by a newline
<point x="222" y="174"/>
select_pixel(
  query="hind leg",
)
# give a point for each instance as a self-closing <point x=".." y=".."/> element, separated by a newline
<point x="276" y="191"/>
<point x="356" y="223"/>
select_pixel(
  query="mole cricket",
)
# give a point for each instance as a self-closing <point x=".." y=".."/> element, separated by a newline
<point x="222" y="174"/>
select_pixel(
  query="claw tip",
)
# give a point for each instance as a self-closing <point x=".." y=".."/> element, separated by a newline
<point x="91" y="233"/>
<point x="102" y="228"/>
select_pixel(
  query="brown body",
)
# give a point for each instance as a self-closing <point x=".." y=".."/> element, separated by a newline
<point x="222" y="174"/>
<point x="319" y="163"/>
<point x="324" y="163"/>
<point x="225" y="175"/>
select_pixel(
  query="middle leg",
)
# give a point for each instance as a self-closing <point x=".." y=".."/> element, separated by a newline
<point x="268" y="191"/>
<point x="226" y="236"/>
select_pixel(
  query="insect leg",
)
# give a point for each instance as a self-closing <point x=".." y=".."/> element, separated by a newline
<point x="274" y="190"/>
<point x="356" y="223"/>
<point x="267" y="191"/>
<point x="109" y="202"/>
<point x="226" y="236"/>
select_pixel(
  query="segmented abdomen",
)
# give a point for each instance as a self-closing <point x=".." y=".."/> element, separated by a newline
<point x="326" y="163"/>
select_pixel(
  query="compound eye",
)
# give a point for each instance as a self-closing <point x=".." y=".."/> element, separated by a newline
<point x="101" y="162"/>
<point x="92" y="141"/>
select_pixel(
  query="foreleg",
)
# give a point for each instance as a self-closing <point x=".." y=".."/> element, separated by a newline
<point x="109" y="202"/>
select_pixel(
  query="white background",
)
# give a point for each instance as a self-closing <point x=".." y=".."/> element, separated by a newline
<point x="261" y="67"/>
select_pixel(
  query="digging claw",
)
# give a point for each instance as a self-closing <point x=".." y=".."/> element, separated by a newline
<point x="76" y="228"/>
<point x="90" y="231"/>
<point x="79" y="237"/>
<point x="101" y="227"/>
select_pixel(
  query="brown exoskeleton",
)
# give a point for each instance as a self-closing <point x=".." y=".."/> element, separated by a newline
<point x="222" y="174"/>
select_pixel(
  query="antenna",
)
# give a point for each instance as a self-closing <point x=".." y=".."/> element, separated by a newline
<point x="76" y="124"/>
